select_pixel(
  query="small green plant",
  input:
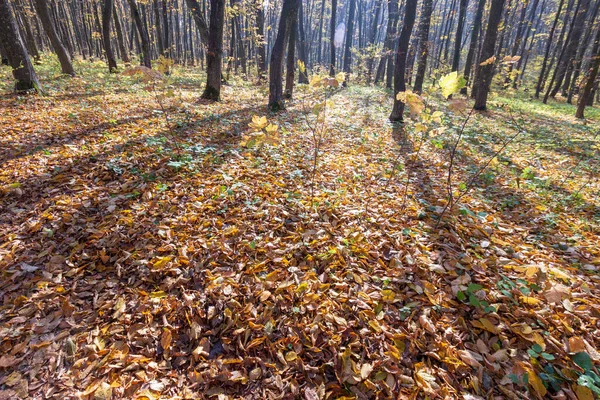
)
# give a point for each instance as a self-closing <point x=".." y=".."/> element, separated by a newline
<point x="536" y="351"/>
<point x="469" y="296"/>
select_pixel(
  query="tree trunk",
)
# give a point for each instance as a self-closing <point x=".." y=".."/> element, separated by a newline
<point x="302" y="76"/>
<point x="348" y="40"/>
<point x="107" y="11"/>
<point x="120" y="36"/>
<point x="289" y="12"/>
<point x="60" y="50"/>
<point x="31" y="44"/>
<point x="291" y="64"/>
<point x="387" y="61"/>
<point x="332" y="38"/>
<point x="194" y="7"/>
<point x="142" y="33"/>
<point x="261" y="45"/>
<point x="486" y="72"/>
<point x="410" y="11"/>
<point x="541" y="78"/>
<point x="424" y="44"/>
<point x="571" y="85"/>
<point x="590" y="77"/>
<point x="569" y="49"/>
<point x="11" y="42"/>
<point x="459" y="34"/>
<point x="214" y="52"/>
<point x="474" y="41"/>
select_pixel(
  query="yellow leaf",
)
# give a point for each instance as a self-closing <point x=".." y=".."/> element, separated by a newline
<point x="536" y="383"/>
<point x="162" y="261"/>
<point x="583" y="393"/>
<point x="488" y="326"/>
<point x="165" y="339"/>
<point x="258" y="122"/>
<point x="529" y="300"/>
<point x="290" y="356"/>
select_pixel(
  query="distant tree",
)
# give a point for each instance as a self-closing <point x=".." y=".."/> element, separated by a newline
<point x="473" y="46"/>
<point x="289" y="13"/>
<point x="302" y="53"/>
<point x="214" y="51"/>
<point x="120" y="36"/>
<point x="481" y="86"/>
<point x="15" y="52"/>
<point x="590" y="77"/>
<point x="142" y="33"/>
<point x="291" y="59"/>
<point x="549" y="44"/>
<point x="107" y="12"/>
<point x="424" y="44"/>
<point x="41" y="7"/>
<point x="462" y="13"/>
<point x="261" y="45"/>
<point x="410" y="11"/>
<point x="332" y="38"/>
<point x="387" y="58"/>
<point x="348" y="40"/>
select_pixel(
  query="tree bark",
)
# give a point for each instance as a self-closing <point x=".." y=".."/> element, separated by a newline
<point x="332" y="38"/>
<point x="11" y="42"/>
<point x="462" y="12"/>
<point x="590" y="77"/>
<point x="142" y="33"/>
<point x="63" y="55"/>
<point x="291" y="64"/>
<point x="214" y="51"/>
<point x="120" y="36"/>
<point x="261" y="45"/>
<point x="424" y="44"/>
<point x="107" y="11"/>
<point x="302" y="76"/>
<point x="486" y="72"/>
<point x="194" y="7"/>
<point x="474" y="41"/>
<point x="541" y="78"/>
<point x="410" y="11"/>
<point x="289" y="12"/>
<point x="348" y="41"/>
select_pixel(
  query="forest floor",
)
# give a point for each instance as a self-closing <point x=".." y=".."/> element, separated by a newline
<point x="150" y="257"/>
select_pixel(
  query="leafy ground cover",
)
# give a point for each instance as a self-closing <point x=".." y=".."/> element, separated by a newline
<point x="147" y="252"/>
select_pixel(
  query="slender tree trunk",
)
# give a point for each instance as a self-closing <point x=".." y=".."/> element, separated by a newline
<point x="571" y="84"/>
<point x="107" y="11"/>
<point x="590" y="77"/>
<point x="410" y="11"/>
<point x="20" y="8"/>
<point x="424" y="44"/>
<point x="471" y="54"/>
<point x="289" y="13"/>
<point x="214" y="52"/>
<point x="142" y="34"/>
<point x="486" y="72"/>
<point x="541" y="78"/>
<point x="198" y="15"/>
<point x="462" y="12"/>
<point x="348" y="40"/>
<point x="120" y="36"/>
<point x="12" y="44"/>
<point x="387" y="61"/>
<point x="570" y="48"/>
<point x="320" y="44"/>
<point x="261" y="45"/>
<point x="332" y="38"/>
<point x="302" y="76"/>
<point x="63" y="55"/>
<point x="291" y="60"/>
